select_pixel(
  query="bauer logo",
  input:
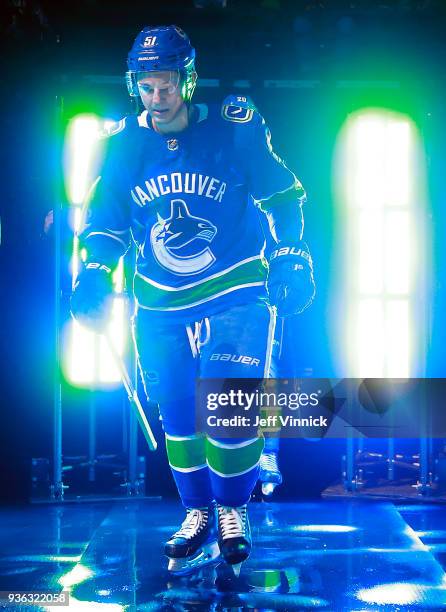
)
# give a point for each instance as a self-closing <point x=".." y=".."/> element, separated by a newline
<point x="245" y="359"/>
<point x="97" y="266"/>
<point x="290" y="251"/>
<point x="149" y="41"/>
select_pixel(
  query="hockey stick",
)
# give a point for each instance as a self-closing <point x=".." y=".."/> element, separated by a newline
<point x="132" y="395"/>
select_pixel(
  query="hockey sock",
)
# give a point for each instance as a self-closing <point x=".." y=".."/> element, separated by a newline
<point x="233" y="469"/>
<point x="187" y="459"/>
<point x="272" y="445"/>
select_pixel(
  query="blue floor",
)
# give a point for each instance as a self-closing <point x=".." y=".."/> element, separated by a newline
<point x="327" y="555"/>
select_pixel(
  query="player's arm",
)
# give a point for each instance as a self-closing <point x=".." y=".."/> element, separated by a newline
<point x="284" y="211"/>
<point x="281" y="196"/>
<point x="290" y="276"/>
<point x="91" y="301"/>
<point x="105" y="236"/>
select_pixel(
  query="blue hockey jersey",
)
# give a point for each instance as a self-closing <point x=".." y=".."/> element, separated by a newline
<point x="190" y="202"/>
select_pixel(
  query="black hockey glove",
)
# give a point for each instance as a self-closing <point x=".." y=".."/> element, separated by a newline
<point x="92" y="297"/>
<point x="290" y="281"/>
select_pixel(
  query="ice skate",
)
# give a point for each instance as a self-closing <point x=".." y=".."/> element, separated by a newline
<point x="270" y="475"/>
<point x="234" y="535"/>
<point x="195" y="543"/>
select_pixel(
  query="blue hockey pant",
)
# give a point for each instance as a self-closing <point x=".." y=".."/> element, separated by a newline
<point x="235" y="343"/>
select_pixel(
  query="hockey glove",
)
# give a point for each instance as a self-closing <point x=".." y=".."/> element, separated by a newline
<point x="92" y="297"/>
<point x="290" y="281"/>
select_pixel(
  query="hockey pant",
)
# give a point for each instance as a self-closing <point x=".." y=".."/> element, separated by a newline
<point x="171" y="356"/>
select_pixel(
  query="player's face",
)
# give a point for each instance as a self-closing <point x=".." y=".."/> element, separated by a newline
<point x="161" y="95"/>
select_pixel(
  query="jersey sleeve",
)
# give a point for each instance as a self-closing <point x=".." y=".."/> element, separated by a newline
<point x="105" y="231"/>
<point x="267" y="173"/>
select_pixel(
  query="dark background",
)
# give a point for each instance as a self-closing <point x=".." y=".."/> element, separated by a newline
<point x="389" y="53"/>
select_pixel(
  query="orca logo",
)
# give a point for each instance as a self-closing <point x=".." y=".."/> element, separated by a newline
<point x="177" y="242"/>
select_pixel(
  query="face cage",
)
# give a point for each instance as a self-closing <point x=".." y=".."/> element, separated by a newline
<point x="187" y="78"/>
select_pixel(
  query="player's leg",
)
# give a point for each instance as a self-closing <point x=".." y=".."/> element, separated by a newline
<point x="168" y="365"/>
<point x="270" y="475"/>
<point x="245" y="333"/>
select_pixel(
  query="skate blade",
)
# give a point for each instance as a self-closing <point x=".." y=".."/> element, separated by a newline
<point x="205" y="555"/>
<point x="268" y="488"/>
<point x="236" y="569"/>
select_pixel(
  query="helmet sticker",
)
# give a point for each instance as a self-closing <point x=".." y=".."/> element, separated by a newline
<point x="149" y="41"/>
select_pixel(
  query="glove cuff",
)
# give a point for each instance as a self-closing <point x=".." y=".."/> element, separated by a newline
<point x="298" y="252"/>
<point x="93" y="265"/>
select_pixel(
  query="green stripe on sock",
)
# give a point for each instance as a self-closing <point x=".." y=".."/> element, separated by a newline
<point x="265" y="412"/>
<point x="273" y="425"/>
<point x="186" y="453"/>
<point x="231" y="461"/>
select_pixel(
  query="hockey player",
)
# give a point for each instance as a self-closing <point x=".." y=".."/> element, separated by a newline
<point x="186" y="182"/>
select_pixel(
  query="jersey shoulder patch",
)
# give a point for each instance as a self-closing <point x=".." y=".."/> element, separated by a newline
<point x="238" y="109"/>
<point x="112" y="128"/>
